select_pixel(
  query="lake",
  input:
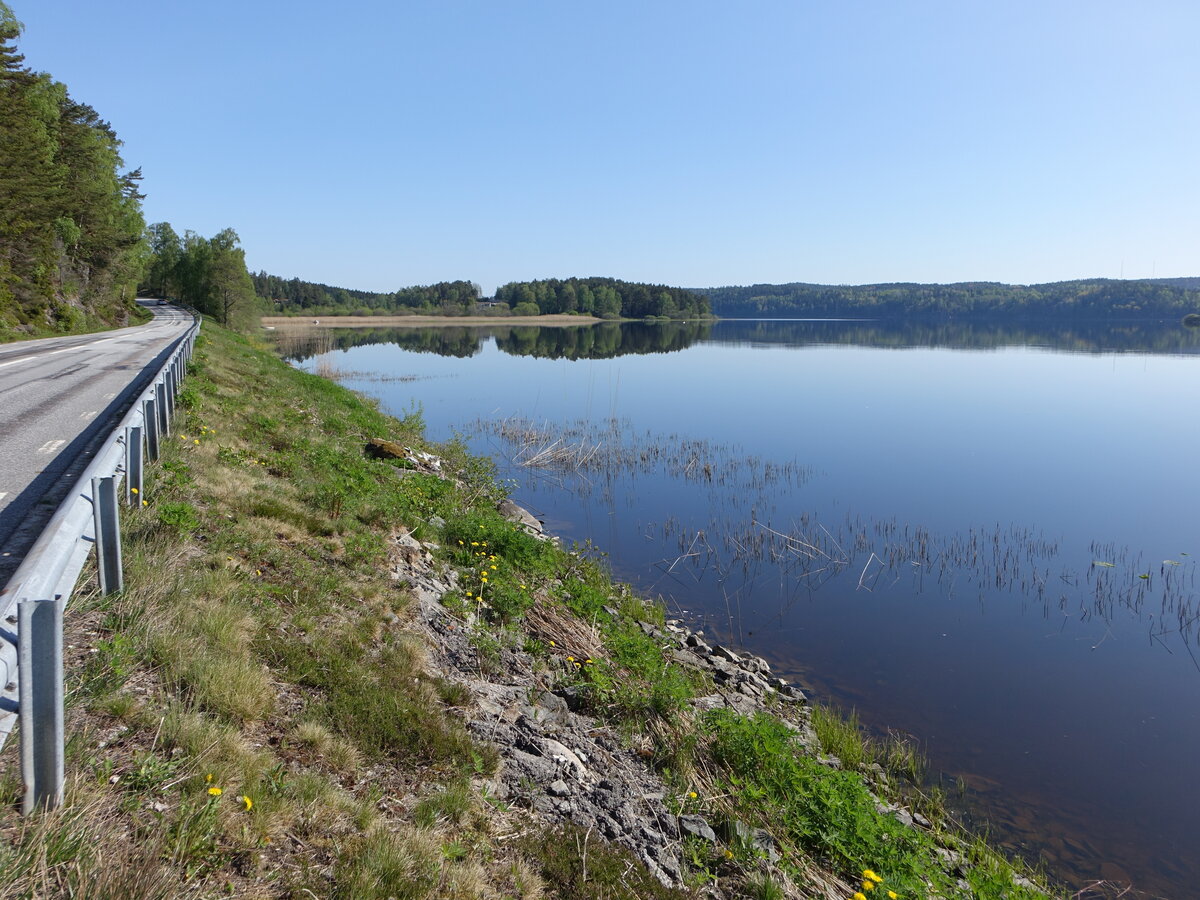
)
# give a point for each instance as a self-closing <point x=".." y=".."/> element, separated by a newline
<point x="984" y="537"/>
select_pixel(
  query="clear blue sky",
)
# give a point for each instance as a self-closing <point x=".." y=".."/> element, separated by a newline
<point x="381" y="143"/>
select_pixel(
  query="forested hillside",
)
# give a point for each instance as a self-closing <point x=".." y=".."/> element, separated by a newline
<point x="1092" y="299"/>
<point x="607" y="298"/>
<point x="71" y="225"/>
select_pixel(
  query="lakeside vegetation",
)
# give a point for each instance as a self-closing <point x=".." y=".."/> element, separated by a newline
<point x="1094" y="298"/>
<point x="257" y="712"/>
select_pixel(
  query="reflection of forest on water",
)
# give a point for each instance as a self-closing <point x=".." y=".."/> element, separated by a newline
<point x="603" y="340"/>
<point x="607" y="340"/>
<point x="1068" y="336"/>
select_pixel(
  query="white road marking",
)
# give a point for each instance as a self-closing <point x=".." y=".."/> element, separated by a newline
<point x="50" y="446"/>
<point x="89" y="415"/>
<point x="3" y="494"/>
<point x="110" y="395"/>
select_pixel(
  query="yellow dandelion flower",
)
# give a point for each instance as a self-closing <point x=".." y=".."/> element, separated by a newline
<point x="693" y="795"/>
<point x="892" y="895"/>
<point x="729" y="855"/>
<point x="570" y="659"/>
<point x="868" y="886"/>
<point x="552" y="643"/>
<point x="469" y="595"/>
<point x="484" y="579"/>
<point x="133" y="490"/>
<point x="145" y="503"/>
<point x="460" y="543"/>
<point x="214" y="791"/>
<point x="258" y="571"/>
<point x="474" y="543"/>
<point x="208" y="778"/>
<point x="247" y="803"/>
<point x="871" y="876"/>
<point x="196" y="440"/>
<point x="860" y="896"/>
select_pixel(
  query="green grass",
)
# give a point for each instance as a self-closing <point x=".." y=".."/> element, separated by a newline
<point x="828" y="815"/>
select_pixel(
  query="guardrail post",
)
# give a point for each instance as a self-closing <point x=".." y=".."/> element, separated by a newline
<point x="160" y="394"/>
<point x="108" y="534"/>
<point x="39" y="652"/>
<point x="169" y="384"/>
<point x="150" y="417"/>
<point x="133" y="465"/>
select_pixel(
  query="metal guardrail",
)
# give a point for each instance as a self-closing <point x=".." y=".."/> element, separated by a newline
<point x="32" y="603"/>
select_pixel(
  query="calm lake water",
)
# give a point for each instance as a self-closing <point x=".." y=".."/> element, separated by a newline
<point x="986" y="538"/>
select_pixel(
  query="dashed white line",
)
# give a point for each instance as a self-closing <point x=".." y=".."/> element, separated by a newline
<point x="50" y="446"/>
<point x="3" y="494"/>
<point x="110" y="395"/>
<point x="89" y="415"/>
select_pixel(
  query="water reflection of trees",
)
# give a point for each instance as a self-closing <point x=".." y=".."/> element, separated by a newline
<point x="603" y="340"/>
<point x="1069" y="336"/>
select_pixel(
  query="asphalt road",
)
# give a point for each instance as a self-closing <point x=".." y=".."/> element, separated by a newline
<point x="59" y="398"/>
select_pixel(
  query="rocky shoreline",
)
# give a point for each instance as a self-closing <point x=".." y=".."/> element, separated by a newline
<point x="562" y="765"/>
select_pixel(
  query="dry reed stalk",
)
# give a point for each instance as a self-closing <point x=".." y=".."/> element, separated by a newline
<point x="549" y="622"/>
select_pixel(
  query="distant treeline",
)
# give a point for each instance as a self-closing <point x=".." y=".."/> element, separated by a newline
<point x="70" y="216"/>
<point x="292" y="296"/>
<point x="1093" y="298"/>
<point x="607" y="298"/>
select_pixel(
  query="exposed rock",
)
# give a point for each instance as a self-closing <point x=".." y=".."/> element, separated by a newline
<point x="719" y="651"/>
<point x="560" y="788"/>
<point x="698" y="826"/>
<point x="520" y="515"/>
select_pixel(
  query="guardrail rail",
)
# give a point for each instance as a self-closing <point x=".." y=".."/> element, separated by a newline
<point x="33" y="601"/>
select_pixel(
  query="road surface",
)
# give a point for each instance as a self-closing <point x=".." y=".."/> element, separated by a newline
<point x="59" y="397"/>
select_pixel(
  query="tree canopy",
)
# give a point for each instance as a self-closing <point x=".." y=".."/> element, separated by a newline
<point x="208" y="274"/>
<point x="608" y="298"/>
<point x="71" y="248"/>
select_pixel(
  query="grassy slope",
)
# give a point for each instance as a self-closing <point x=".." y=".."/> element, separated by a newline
<point x="252" y="716"/>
